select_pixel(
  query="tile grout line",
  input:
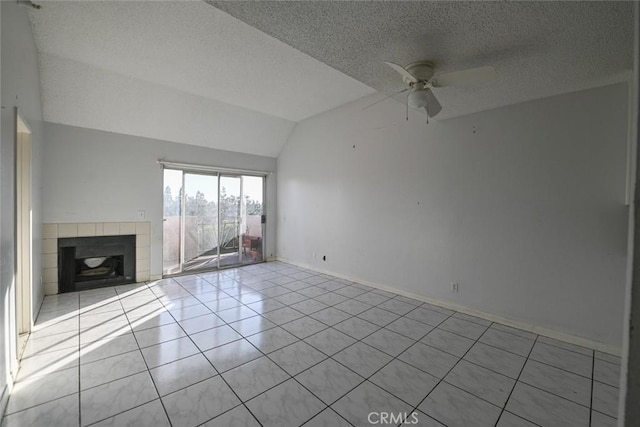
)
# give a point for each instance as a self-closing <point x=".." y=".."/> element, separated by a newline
<point x="145" y="363"/>
<point x="79" y="312"/>
<point x="379" y="328"/>
<point x="527" y="358"/>
<point x="511" y="333"/>
<point x="393" y="358"/>
<point x="396" y="297"/>
<point x="552" y="393"/>
<point x="517" y="380"/>
<point x="237" y="297"/>
<point x="500" y="348"/>
<point x="40" y="404"/>
<point x="488" y="328"/>
<point x="415" y="408"/>
<point x="328" y="408"/>
<point x="359" y="340"/>
<point x="535" y="360"/>
<point x="30" y="339"/>
<point x="291" y="377"/>
<point x="214" y="368"/>
<point x="303" y="340"/>
<point x="267" y="355"/>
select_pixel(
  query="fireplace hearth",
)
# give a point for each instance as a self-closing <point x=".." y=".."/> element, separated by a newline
<point x="95" y="262"/>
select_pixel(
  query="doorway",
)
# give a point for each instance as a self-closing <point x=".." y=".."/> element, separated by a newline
<point x="24" y="231"/>
<point x="212" y="220"/>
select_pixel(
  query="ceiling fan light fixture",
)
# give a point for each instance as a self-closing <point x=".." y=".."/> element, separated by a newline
<point x="418" y="97"/>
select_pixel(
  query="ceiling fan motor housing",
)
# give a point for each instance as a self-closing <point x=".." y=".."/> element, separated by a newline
<point x="422" y="70"/>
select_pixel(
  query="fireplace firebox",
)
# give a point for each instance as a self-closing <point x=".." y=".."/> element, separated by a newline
<point x="95" y="262"/>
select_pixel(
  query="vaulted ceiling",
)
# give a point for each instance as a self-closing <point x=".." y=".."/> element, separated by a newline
<point x="538" y="49"/>
<point x="239" y="75"/>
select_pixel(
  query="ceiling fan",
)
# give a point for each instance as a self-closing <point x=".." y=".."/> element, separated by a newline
<point x="420" y="78"/>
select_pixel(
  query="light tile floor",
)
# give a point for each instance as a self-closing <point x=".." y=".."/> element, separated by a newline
<point x="277" y="345"/>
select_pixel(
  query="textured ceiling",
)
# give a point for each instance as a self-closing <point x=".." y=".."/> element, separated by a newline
<point x="539" y="49"/>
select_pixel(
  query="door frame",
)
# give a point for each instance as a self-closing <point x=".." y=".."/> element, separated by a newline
<point x="185" y="168"/>
<point x="183" y="220"/>
<point x="23" y="230"/>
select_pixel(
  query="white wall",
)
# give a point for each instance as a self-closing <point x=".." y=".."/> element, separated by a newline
<point x="20" y="88"/>
<point x="96" y="176"/>
<point x="4" y="303"/>
<point x="522" y="206"/>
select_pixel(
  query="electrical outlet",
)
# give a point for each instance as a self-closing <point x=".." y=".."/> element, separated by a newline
<point x="141" y="215"/>
<point x="454" y="287"/>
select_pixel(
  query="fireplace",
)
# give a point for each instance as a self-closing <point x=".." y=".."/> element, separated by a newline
<point x="94" y="262"/>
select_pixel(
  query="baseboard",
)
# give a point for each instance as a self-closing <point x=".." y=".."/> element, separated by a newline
<point x="539" y="330"/>
<point x="154" y="277"/>
<point x="36" y="314"/>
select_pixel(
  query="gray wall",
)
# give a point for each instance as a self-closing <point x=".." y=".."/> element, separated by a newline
<point x="96" y="176"/>
<point x="523" y="206"/>
<point x="20" y="87"/>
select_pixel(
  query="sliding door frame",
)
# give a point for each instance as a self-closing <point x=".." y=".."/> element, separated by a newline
<point x="186" y="168"/>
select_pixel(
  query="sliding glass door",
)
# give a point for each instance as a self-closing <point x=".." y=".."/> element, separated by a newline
<point x="211" y="220"/>
<point x="200" y="222"/>
<point x="229" y="196"/>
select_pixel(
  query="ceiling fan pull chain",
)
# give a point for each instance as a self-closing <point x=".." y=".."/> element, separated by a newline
<point x="408" y="106"/>
<point x="426" y="110"/>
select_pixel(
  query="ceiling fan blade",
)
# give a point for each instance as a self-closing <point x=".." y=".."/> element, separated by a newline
<point x="465" y="77"/>
<point x="386" y="97"/>
<point x="404" y="73"/>
<point x="433" y="107"/>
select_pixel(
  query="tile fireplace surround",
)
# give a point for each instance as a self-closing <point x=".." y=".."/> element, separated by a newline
<point x="51" y="233"/>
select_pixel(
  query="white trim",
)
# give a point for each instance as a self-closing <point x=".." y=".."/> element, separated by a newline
<point x="183" y="220"/>
<point x="190" y="167"/>
<point x="24" y="229"/>
<point x="551" y="333"/>
<point x="632" y="141"/>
